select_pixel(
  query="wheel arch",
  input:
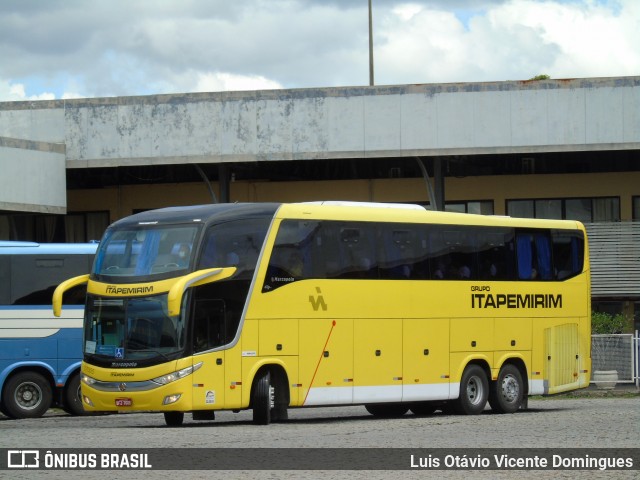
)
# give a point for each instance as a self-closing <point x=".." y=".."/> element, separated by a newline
<point x="480" y="360"/>
<point x="520" y="364"/>
<point x="68" y="372"/>
<point x="482" y="363"/>
<point x="279" y="379"/>
<point x="42" y="368"/>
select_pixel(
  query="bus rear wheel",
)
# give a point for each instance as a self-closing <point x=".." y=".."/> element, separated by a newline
<point x="474" y="391"/>
<point x="27" y="395"/>
<point x="387" y="410"/>
<point x="173" y="419"/>
<point x="507" y="392"/>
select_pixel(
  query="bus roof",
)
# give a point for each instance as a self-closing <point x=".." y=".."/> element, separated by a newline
<point x="33" y="248"/>
<point x="387" y="212"/>
<point x="334" y="210"/>
<point x="198" y="214"/>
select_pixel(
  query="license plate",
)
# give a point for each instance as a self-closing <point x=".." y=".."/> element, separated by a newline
<point x="123" y="402"/>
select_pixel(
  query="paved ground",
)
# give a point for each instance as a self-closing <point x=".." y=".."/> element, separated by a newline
<point x="596" y="420"/>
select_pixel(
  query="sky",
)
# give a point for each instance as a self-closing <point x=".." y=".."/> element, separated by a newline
<point x="55" y="49"/>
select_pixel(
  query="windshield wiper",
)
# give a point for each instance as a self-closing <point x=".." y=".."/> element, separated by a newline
<point x="158" y="354"/>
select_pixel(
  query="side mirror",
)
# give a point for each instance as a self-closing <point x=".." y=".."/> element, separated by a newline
<point x="201" y="277"/>
<point x="63" y="287"/>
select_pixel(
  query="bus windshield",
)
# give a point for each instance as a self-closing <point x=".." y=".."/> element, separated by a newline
<point x="132" y="328"/>
<point x="142" y="253"/>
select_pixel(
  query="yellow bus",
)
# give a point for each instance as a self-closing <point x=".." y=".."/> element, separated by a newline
<point x="276" y="306"/>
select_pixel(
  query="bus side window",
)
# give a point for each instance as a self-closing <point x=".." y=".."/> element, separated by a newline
<point x="358" y="257"/>
<point x="292" y="257"/>
<point x="495" y="254"/>
<point x="534" y="256"/>
<point x="568" y="253"/>
<point x="454" y="255"/>
<point x="399" y="247"/>
<point x="5" y="280"/>
<point x="35" y="277"/>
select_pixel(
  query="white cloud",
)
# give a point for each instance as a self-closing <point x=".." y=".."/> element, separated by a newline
<point x="511" y="40"/>
<point x="145" y="47"/>
<point x="592" y="40"/>
<point x="69" y="95"/>
<point x="15" y="92"/>
<point x="214" y="82"/>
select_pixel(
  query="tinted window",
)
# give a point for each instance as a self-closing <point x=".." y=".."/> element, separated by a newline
<point x="496" y="254"/>
<point x="404" y="252"/>
<point x="35" y="277"/>
<point x="234" y="244"/>
<point x="534" y="255"/>
<point x="568" y="253"/>
<point x="5" y="280"/>
<point x="317" y="249"/>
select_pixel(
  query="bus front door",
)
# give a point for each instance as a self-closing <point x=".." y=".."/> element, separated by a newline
<point x="209" y="337"/>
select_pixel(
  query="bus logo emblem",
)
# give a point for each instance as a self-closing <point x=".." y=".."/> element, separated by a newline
<point x="317" y="302"/>
<point x="122" y="387"/>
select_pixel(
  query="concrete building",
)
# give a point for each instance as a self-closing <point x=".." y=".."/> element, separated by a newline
<point x="548" y="148"/>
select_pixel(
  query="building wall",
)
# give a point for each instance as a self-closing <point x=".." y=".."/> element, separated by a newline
<point x="122" y="201"/>
<point x="355" y="122"/>
<point x="590" y="114"/>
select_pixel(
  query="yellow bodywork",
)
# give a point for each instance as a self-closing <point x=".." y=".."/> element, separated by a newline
<point x="367" y="341"/>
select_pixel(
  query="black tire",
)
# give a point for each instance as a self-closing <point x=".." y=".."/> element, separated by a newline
<point x="474" y="391"/>
<point x="3" y="410"/>
<point x="27" y="395"/>
<point x="423" y="408"/>
<point x="263" y="399"/>
<point x="280" y="395"/>
<point x="507" y="391"/>
<point x="72" y="396"/>
<point x="173" y="419"/>
<point x="387" y="410"/>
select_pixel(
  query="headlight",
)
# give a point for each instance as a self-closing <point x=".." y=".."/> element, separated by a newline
<point x="172" y="377"/>
<point x="88" y="380"/>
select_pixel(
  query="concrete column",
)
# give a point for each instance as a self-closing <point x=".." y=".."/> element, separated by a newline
<point x="438" y="181"/>
<point x="224" y="180"/>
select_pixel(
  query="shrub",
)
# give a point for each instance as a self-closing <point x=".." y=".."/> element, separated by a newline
<point x="605" y="323"/>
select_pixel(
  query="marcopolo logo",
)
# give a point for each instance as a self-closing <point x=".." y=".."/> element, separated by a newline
<point x="23" y="459"/>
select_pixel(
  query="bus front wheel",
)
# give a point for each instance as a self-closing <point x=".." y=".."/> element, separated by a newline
<point x="73" y="396"/>
<point x="263" y="399"/>
<point x="507" y="392"/>
<point x="27" y="395"/>
<point x="173" y="419"/>
<point x="3" y="409"/>
<point x="474" y="390"/>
